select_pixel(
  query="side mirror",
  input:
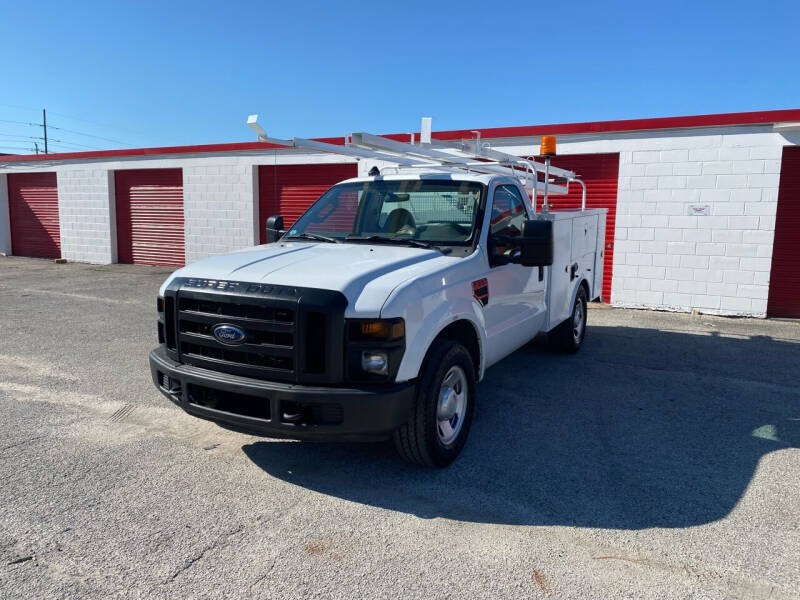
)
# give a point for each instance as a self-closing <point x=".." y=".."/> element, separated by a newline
<point x="536" y="248"/>
<point x="274" y="228"/>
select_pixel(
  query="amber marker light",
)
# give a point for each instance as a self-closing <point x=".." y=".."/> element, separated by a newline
<point x="375" y="329"/>
<point x="547" y="146"/>
<point x="391" y="329"/>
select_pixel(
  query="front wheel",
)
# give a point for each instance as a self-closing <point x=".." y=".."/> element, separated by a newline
<point x="445" y="403"/>
<point x="568" y="336"/>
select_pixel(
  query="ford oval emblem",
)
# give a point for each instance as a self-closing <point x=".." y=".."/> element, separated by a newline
<point x="229" y="334"/>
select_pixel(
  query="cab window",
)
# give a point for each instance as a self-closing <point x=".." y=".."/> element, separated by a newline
<point x="508" y="216"/>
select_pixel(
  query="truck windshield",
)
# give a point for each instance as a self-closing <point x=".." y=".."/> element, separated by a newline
<point x="435" y="212"/>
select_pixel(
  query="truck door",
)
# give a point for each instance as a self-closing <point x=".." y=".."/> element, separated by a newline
<point x="515" y="310"/>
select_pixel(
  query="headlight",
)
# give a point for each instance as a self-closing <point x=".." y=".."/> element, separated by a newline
<point x="375" y="362"/>
<point x="375" y="348"/>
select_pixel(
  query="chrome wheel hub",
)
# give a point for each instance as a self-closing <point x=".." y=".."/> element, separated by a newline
<point x="452" y="405"/>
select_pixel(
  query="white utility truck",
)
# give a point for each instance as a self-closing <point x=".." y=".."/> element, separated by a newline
<point x="374" y="315"/>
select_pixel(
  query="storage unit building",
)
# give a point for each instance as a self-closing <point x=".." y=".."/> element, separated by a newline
<point x="703" y="209"/>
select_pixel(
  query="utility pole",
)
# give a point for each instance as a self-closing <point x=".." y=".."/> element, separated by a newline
<point x="44" y="124"/>
<point x="36" y="146"/>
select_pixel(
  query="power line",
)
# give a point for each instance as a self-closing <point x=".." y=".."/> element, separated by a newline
<point x="108" y="125"/>
<point x="21" y="123"/>
<point x="91" y="136"/>
<point x="14" y="147"/>
<point x="68" y="131"/>
<point x="67" y="117"/>
<point x="73" y="144"/>
<point x="22" y="138"/>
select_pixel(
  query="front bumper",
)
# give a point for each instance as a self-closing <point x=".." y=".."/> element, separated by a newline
<point x="283" y="409"/>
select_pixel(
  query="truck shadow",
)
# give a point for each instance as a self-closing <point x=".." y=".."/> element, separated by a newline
<point x="643" y="428"/>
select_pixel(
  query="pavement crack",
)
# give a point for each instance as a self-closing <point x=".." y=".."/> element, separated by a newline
<point x="22" y="442"/>
<point x="218" y="543"/>
<point x="21" y="560"/>
<point x="637" y="561"/>
<point x="265" y="574"/>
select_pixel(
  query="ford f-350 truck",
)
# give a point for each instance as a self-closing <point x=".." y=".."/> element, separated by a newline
<point x="377" y="312"/>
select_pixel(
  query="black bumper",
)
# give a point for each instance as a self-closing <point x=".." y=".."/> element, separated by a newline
<point x="283" y="409"/>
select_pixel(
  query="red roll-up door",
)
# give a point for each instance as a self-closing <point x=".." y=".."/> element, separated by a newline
<point x="289" y="190"/>
<point x="600" y="172"/>
<point x="150" y="228"/>
<point x="33" y="208"/>
<point x="784" y="279"/>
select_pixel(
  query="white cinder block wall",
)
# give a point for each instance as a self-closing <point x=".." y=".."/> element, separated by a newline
<point x="218" y="205"/>
<point x="666" y="258"/>
<point x="719" y="263"/>
<point x="86" y="214"/>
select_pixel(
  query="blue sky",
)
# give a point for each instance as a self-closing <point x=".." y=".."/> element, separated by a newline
<point x="170" y="73"/>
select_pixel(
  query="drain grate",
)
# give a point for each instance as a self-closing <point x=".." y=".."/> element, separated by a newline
<point x="123" y="413"/>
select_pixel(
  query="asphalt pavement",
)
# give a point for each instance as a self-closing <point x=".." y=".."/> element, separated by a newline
<point x="661" y="461"/>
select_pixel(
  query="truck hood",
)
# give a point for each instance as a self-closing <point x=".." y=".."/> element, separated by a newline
<point x="365" y="273"/>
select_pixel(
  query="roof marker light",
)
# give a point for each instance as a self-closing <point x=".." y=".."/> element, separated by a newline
<point x="547" y="146"/>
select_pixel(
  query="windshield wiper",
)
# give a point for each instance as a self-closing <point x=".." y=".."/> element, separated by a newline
<point x="314" y="236"/>
<point x="392" y="240"/>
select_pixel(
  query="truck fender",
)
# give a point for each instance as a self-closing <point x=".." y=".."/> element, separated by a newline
<point x="574" y="294"/>
<point x="432" y="325"/>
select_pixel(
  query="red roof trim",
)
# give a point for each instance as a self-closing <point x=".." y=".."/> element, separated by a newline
<point x="164" y="150"/>
<point x="716" y="120"/>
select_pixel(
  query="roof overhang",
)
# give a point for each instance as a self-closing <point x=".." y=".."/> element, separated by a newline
<point x="786" y="127"/>
<point x="786" y="119"/>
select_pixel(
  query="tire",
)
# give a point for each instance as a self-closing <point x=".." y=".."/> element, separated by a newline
<point x="568" y="337"/>
<point x="429" y="438"/>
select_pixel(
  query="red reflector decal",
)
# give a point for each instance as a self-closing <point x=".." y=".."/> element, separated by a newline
<point x="480" y="289"/>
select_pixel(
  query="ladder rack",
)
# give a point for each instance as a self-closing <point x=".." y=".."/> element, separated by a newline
<point x="470" y="155"/>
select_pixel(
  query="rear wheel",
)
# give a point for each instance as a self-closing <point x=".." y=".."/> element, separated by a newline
<point x="445" y="403"/>
<point x="568" y="336"/>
